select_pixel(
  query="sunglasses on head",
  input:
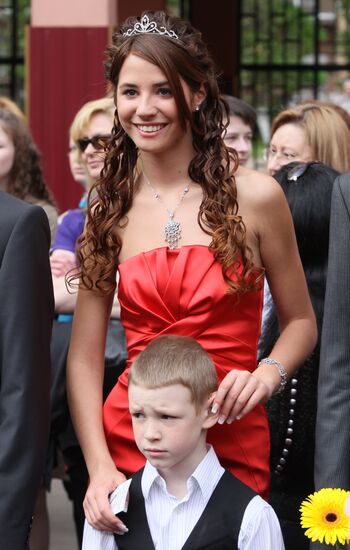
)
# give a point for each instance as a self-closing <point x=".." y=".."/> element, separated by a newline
<point x="299" y="170"/>
<point x="98" y="142"/>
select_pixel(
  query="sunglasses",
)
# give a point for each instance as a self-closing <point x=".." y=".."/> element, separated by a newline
<point x="98" y="142"/>
<point x="299" y="170"/>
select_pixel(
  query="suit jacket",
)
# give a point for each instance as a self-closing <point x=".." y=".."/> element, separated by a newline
<point x="26" y="313"/>
<point x="332" y="455"/>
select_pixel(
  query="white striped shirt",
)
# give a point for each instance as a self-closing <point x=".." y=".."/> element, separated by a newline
<point x="171" y="520"/>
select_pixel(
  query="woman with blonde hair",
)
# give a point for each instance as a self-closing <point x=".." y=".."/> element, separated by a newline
<point x="309" y="132"/>
<point x="78" y="130"/>
<point x="94" y="118"/>
<point x="91" y="127"/>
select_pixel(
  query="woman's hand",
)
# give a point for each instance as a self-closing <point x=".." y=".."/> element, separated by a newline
<point x="96" y="503"/>
<point x="61" y="262"/>
<point x="239" y="392"/>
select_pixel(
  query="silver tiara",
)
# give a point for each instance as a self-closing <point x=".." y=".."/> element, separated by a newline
<point x="145" y="26"/>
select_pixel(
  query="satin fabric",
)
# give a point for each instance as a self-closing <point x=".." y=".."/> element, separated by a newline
<point x="183" y="292"/>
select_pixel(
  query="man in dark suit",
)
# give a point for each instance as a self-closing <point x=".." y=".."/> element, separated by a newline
<point x="26" y="312"/>
<point x="332" y="456"/>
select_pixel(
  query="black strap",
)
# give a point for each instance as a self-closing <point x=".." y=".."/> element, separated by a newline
<point x="139" y="535"/>
<point x="219" y="525"/>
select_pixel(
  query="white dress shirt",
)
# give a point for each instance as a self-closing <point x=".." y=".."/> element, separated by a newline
<point x="171" y="520"/>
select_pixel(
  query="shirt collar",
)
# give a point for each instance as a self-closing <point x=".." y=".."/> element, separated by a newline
<point x="207" y="475"/>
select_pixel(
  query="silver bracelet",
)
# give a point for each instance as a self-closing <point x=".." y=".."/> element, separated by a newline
<point x="282" y="371"/>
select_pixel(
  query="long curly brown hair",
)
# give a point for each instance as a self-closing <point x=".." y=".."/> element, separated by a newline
<point x="26" y="180"/>
<point x="213" y="165"/>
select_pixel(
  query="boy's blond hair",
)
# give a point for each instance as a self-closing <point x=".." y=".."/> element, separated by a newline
<point x="171" y="359"/>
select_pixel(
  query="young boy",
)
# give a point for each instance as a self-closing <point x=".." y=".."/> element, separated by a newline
<point x="183" y="498"/>
<point x="240" y="131"/>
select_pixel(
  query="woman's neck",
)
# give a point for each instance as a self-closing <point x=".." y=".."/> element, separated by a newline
<point x="164" y="171"/>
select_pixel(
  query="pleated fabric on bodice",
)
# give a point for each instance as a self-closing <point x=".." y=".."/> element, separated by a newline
<point x="183" y="292"/>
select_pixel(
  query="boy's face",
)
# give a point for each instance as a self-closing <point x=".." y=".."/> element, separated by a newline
<point x="239" y="136"/>
<point x="168" y="429"/>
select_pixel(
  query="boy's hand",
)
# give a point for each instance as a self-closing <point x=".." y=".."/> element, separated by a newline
<point x="96" y="503"/>
<point x="239" y="392"/>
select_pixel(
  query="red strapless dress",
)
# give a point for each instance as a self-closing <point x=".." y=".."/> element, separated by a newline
<point x="182" y="291"/>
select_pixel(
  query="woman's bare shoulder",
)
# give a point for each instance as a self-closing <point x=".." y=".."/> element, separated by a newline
<point x="256" y="188"/>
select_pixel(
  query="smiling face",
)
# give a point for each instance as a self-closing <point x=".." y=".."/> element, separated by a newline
<point x="7" y="157"/>
<point x="239" y="136"/>
<point x="168" y="429"/>
<point x="147" y="109"/>
<point x="288" y="144"/>
<point x="100" y="125"/>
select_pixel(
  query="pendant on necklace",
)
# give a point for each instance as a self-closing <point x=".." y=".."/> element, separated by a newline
<point x="172" y="232"/>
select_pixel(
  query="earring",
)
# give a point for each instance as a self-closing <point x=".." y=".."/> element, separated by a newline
<point x="197" y="108"/>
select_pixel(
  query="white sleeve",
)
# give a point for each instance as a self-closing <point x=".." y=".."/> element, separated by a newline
<point x="103" y="540"/>
<point x="97" y="540"/>
<point x="260" y="527"/>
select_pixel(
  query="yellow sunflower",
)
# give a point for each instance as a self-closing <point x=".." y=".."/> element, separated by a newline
<point x="323" y="515"/>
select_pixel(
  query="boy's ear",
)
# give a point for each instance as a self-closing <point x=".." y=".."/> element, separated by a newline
<point x="210" y="417"/>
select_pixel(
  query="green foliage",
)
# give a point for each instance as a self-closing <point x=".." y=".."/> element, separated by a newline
<point x="277" y="35"/>
<point x="174" y="8"/>
<point x="23" y="18"/>
<point x="9" y="19"/>
<point x="284" y="36"/>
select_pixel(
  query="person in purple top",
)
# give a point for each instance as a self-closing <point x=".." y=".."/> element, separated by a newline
<point x="91" y="126"/>
<point x="86" y="158"/>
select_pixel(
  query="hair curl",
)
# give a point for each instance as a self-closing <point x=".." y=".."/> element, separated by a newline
<point x="213" y="165"/>
<point x="26" y="180"/>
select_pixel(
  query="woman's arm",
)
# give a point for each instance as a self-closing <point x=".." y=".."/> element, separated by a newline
<point x="61" y="262"/>
<point x="85" y="369"/>
<point x="270" y="225"/>
<point x="286" y="279"/>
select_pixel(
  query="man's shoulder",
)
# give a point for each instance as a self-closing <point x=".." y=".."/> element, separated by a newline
<point x="8" y="202"/>
<point x="15" y="213"/>
<point x="342" y="184"/>
<point x="12" y="208"/>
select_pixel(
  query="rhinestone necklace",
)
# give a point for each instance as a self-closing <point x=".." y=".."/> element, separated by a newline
<point x="172" y="229"/>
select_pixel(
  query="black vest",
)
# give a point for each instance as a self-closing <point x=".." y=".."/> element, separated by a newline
<point x="217" y="528"/>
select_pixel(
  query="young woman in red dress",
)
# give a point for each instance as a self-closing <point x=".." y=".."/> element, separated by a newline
<point x="191" y="234"/>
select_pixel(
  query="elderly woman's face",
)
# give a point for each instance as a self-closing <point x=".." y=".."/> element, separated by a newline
<point x="7" y="156"/>
<point x="288" y="144"/>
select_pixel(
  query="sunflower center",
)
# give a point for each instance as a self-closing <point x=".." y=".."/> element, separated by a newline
<point x="331" y="517"/>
